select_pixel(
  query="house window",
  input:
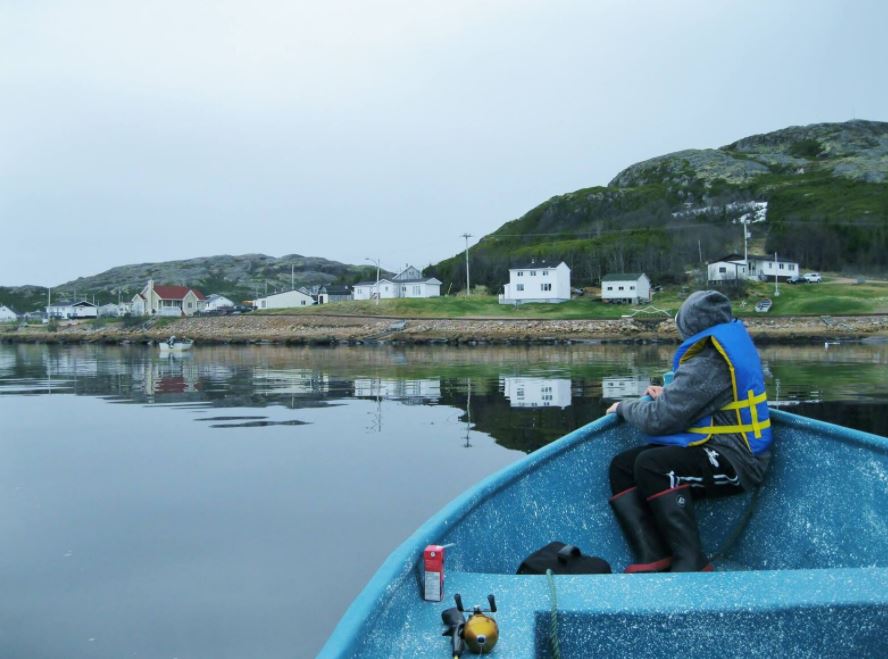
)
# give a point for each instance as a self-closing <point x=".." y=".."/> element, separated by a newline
<point x="545" y="273"/>
<point x="632" y="288"/>
<point x="533" y="273"/>
<point x="792" y="266"/>
<point x="520" y="273"/>
<point x="546" y="287"/>
<point x="303" y="302"/>
<point x="189" y="305"/>
<point x="610" y="288"/>
<point x="620" y="288"/>
<point x="722" y="269"/>
<point x="781" y="266"/>
<point x="519" y="287"/>
<point x="403" y="289"/>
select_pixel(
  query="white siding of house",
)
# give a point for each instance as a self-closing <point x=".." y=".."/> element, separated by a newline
<point x="537" y="284"/>
<point x="768" y="268"/>
<point x="216" y="302"/>
<point x="634" y="290"/>
<point x="726" y="271"/>
<point x="6" y="314"/>
<point x="286" y="300"/>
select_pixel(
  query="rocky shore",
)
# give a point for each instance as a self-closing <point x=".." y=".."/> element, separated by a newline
<point x="317" y="329"/>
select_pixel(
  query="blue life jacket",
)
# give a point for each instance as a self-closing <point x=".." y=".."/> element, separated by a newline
<point x="750" y="402"/>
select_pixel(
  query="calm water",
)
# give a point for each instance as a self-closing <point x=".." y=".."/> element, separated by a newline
<point x="232" y="502"/>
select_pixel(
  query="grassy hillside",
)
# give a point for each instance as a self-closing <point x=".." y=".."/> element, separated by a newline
<point x="239" y="277"/>
<point x="823" y="188"/>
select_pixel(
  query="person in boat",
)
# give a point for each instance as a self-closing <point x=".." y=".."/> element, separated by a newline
<point x="708" y="434"/>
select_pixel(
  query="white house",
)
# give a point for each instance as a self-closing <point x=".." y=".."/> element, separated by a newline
<point x="286" y="300"/>
<point x="156" y="300"/>
<point x="110" y="310"/>
<point x="537" y="281"/>
<point x="7" y="315"/>
<point x="407" y="283"/>
<point x="67" y="309"/>
<point x="626" y="287"/>
<point x="214" y="302"/>
<point x="537" y="392"/>
<point x="328" y="294"/>
<point x="734" y="266"/>
<point x="766" y="267"/>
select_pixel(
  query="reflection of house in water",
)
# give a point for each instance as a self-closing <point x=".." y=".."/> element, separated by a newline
<point x="170" y="375"/>
<point x="537" y="392"/>
<point x="407" y="391"/>
<point x="291" y="381"/>
<point x="624" y="387"/>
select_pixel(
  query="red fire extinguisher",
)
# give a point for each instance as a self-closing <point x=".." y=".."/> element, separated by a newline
<point x="433" y="562"/>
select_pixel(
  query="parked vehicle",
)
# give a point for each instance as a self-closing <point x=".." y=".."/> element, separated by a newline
<point x="795" y="279"/>
<point x="812" y="277"/>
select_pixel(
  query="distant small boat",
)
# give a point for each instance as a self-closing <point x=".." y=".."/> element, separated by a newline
<point x="173" y="344"/>
<point x="763" y="306"/>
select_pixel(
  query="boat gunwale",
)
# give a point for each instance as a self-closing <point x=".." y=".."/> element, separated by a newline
<point x="403" y="560"/>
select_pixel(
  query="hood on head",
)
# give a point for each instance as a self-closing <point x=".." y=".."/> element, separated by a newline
<point x="702" y="310"/>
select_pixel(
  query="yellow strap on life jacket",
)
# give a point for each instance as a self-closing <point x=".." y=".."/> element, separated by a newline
<point x="751" y="401"/>
<point x="730" y="430"/>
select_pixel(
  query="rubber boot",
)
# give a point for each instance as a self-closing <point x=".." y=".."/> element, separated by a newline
<point x="673" y="511"/>
<point x="641" y="532"/>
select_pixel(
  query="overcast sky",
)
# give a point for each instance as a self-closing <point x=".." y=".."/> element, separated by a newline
<point x="151" y="131"/>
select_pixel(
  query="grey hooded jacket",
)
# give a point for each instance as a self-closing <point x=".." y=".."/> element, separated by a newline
<point x="702" y="386"/>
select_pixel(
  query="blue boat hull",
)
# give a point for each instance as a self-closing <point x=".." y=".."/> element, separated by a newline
<point x="808" y="576"/>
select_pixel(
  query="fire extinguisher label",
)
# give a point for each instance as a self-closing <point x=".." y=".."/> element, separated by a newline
<point x="433" y="586"/>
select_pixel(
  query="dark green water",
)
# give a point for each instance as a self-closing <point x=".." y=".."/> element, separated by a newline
<point x="232" y="502"/>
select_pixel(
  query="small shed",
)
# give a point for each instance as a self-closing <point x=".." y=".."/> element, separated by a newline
<point x="626" y="288"/>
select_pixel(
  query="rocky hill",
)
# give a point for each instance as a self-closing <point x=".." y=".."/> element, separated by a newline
<point x="815" y="193"/>
<point x="239" y="277"/>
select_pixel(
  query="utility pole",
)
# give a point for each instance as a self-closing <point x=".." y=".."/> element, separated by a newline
<point x="746" y="234"/>
<point x="376" y="261"/>
<point x="776" y="285"/>
<point x="292" y="277"/>
<point x="468" y="281"/>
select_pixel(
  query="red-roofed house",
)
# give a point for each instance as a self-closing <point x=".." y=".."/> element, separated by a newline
<point x="159" y="300"/>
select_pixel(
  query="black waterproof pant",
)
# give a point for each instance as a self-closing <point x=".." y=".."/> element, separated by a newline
<point x="654" y="468"/>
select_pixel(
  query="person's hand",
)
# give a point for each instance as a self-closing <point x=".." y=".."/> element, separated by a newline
<point x="653" y="391"/>
<point x="613" y="408"/>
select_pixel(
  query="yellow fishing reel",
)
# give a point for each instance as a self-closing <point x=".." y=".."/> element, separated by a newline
<point x="480" y="632"/>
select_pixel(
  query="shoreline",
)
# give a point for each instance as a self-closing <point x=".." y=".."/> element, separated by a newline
<point x="307" y="329"/>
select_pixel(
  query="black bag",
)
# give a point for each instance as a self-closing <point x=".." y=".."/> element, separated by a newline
<point x="563" y="559"/>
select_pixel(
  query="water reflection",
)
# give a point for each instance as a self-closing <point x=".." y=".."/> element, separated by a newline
<point x="524" y="396"/>
<point x="618" y="388"/>
<point x="537" y="392"/>
<point x="194" y="491"/>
